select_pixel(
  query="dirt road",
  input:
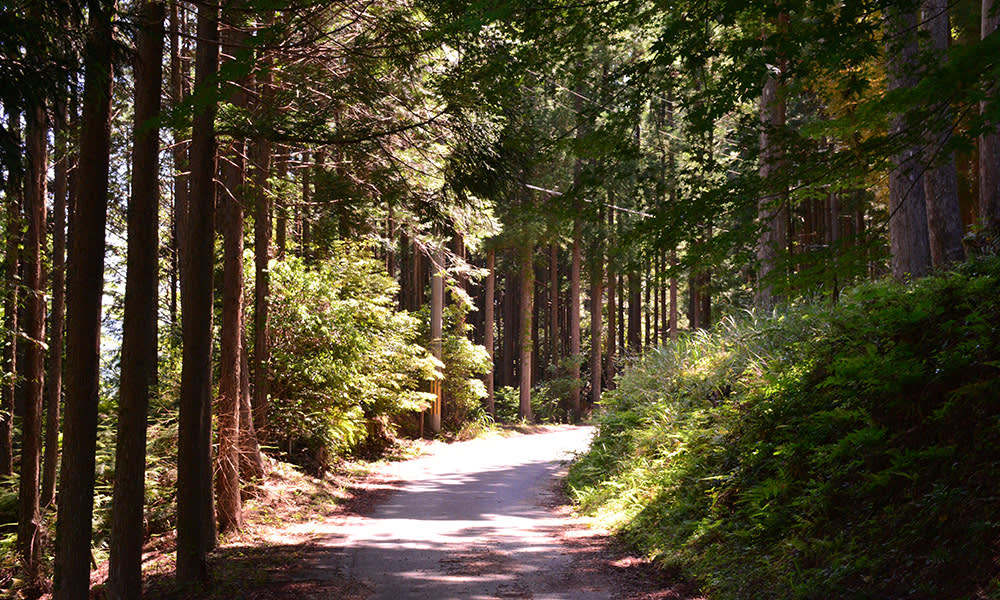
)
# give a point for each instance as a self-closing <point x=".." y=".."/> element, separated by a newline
<point x="474" y="520"/>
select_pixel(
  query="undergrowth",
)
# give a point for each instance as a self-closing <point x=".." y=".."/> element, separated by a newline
<point x="817" y="453"/>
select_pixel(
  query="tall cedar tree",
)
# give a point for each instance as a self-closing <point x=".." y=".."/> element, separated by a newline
<point x="53" y="401"/>
<point x="139" y="335"/>
<point x="944" y="217"/>
<point x="196" y="531"/>
<point x="527" y="288"/>
<point x="909" y="245"/>
<point x="83" y="315"/>
<point x="989" y="142"/>
<point x="29" y="518"/>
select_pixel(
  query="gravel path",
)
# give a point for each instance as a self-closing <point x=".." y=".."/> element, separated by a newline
<point x="478" y="520"/>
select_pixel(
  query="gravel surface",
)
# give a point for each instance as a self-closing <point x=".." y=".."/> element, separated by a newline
<point x="482" y="519"/>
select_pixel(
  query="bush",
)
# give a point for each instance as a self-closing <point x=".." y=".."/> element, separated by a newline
<point x="343" y="359"/>
<point x="817" y="454"/>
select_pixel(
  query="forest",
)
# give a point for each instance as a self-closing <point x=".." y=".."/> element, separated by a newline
<point x="754" y="241"/>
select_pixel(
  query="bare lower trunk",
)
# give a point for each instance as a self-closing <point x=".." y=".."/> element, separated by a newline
<point x="139" y="339"/>
<point x="989" y="143"/>
<point x="196" y="533"/>
<point x="772" y="209"/>
<point x="437" y="330"/>
<point x="488" y="325"/>
<point x="29" y="519"/>
<point x="596" y="331"/>
<point x="83" y="317"/>
<point x="909" y="243"/>
<point x="944" y="217"/>
<point x="574" y="320"/>
<point x="527" y="301"/>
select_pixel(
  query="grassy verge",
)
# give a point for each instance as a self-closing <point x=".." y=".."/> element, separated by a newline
<point x="845" y="453"/>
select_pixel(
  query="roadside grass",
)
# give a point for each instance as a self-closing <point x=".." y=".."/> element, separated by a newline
<point x="817" y="453"/>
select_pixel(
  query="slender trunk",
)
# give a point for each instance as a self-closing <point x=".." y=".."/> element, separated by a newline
<point x="29" y="518"/>
<point x="11" y="282"/>
<point x="989" y="142"/>
<point x="229" y="509"/>
<point x="574" y="319"/>
<point x="488" y="325"/>
<point x="510" y="330"/>
<point x="437" y="329"/>
<point x="554" y="305"/>
<point x="944" y="216"/>
<point x="673" y="297"/>
<point x="139" y="341"/>
<point x="634" y="311"/>
<point x="262" y="277"/>
<point x="908" y="235"/>
<point x="772" y="209"/>
<point x="251" y="460"/>
<point x="83" y="316"/>
<point x="596" y="304"/>
<point x="58" y="279"/>
<point x="527" y="300"/>
<point x="609" y="371"/>
<point x="196" y="533"/>
<point x="180" y="159"/>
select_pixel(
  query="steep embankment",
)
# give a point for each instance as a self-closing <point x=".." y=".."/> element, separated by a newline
<point x="847" y="453"/>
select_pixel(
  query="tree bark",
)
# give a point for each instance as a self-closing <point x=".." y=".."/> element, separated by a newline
<point x="989" y="143"/>
<point x="53" y="404"/>
<point x="488" y="327"/>
<point x="11" y="309"/>
<point x="609" y="370"/>
<point x="634" y="311"/>
<point x="262" y="278"/>
<point x="525" y="254"/>
<point x="772" y="209"/>
<point x="139" y="331"/>
<point x="196" y="533"/>
<point x="29" y="517"/>
<point x="673" y="297"/>
<point x="574" y="320"/>
<point x="908" y="235"/>
<point x="229" y="509"/>
<point x="944" y="217"/>
<point x="83" y="316"/>
<point x="437" y="329"/>
<point x="596" y="330"/>
<point x="180" y="158"/>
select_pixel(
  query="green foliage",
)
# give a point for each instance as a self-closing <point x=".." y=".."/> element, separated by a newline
<point x="847" y="454"/>
<point x="343" y="358"/>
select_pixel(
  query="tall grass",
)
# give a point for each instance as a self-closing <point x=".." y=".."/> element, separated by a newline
<point x="817" y="453"/>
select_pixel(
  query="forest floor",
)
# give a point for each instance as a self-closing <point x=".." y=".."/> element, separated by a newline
<point x="485" y="518"/>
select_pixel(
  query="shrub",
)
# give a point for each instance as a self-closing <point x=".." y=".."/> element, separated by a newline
<point x="850" y="453"/>
<point x="343" y="359"/>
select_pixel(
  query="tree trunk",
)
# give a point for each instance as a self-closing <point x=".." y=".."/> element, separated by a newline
<point x="772" y="209"/>
<point x="29" y="518"/>
<point x="944" y="217"/>
<point x="609" y="369"/>
<point x="196" y="531"/>
<point x="673" y="297"/>
<point x="437" y="329"/>
<point x="180" y="158"/>
<point x="989" y="143"/>
<point x="527" y="300"/>
<point x="574" y="320"/>
<point x="634" y="311"/>
<point x="596" y="304"/>
<point x="83" y="316"/>
<point x="488" y="327"/>
<point x="510" y="330"/>
<point x="553" y="305"/>
<point x="11" y="282"/>
<point x="908" y="235"/>
<point x="58" y="278"/>
<point x="251" y="459"/>
<point x="139" y="341"/>
<point x="229" y="509"/>
<point x="262" y="277"/>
